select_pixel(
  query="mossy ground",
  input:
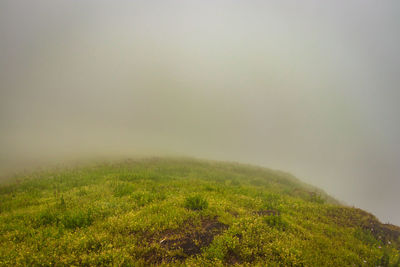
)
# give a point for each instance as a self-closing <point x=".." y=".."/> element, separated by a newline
<point x="136" y="213"/>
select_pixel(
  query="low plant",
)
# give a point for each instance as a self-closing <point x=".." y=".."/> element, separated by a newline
<point x="316" y="198"/>
<point x="77" y="218"/>
<point x="196" y="203"/>
<point x="276" y="221"/>
<point x="123" y="189"/>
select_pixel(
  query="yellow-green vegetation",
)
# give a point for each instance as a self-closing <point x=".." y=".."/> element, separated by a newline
<point x="179" y="211"/>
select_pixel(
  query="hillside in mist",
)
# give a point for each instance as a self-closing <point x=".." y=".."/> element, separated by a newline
<point x="310" y="87"/>
<point x="182" y="211"/>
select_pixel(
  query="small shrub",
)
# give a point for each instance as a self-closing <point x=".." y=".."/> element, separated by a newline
<point x="316" y="198"/>
<point x="209" y="188"/>
<point x="47" y="217"/>
<point x="77" y="219"/>
<point x="196" y="203"/>
<point x="272" y="201"/>
<point x="82" y="192"/>
<point x="142" y="198"/>
<point x="123" y="189"/>
<point x="276" y="221"/>
<point x="366" y="237"/>
<point x="129" y="177"/>
<point x="62" y="205"/>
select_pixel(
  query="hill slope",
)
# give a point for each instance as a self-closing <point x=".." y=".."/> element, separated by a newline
<point x="174" y="211"/>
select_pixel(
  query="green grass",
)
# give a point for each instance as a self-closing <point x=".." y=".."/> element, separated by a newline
<point x="196" y="203"/>
<point x="181" y="211"/>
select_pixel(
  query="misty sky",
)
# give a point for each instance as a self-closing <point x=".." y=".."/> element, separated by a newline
<point x="309" y="87"/>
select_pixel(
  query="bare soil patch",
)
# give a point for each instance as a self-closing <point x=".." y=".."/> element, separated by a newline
<point x="184" y="242"/>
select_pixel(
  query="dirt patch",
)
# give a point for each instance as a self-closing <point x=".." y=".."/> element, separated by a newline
<point x="232" y="258"/>
<point x="176" y="245"/>
<point x="193" y="240"/>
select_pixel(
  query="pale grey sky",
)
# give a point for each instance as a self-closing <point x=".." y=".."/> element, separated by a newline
<point x="309" y="87"/>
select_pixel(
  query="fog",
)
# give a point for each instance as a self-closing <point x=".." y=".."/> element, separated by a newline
<point x="309" y="87"/>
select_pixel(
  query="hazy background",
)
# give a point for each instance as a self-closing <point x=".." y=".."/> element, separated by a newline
<point x="309" y="87"/>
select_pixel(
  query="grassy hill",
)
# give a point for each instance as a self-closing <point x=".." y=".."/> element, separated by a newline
<point x="182" y="211"/>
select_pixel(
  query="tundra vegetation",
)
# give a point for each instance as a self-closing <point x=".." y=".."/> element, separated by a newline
<point x="182" y="211"/>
